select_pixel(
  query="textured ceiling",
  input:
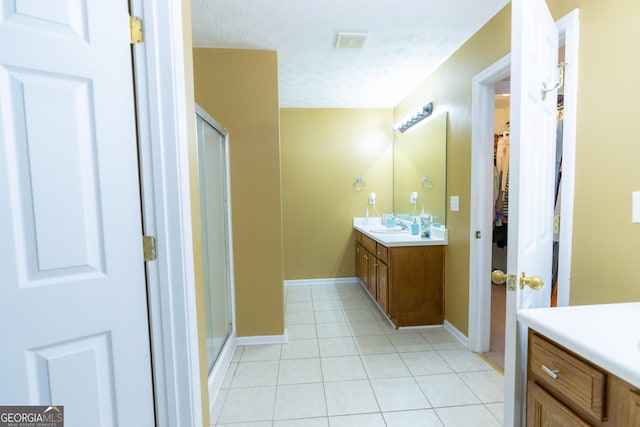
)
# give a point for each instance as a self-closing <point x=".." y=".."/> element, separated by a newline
<point x="408" y="39"/>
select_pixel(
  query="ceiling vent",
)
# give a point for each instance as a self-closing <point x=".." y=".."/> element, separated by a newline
<point x="351" y="40"/>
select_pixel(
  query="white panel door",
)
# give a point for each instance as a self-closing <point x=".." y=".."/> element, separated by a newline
<point x="534" y="65"/>
<point x="73" y="313"/>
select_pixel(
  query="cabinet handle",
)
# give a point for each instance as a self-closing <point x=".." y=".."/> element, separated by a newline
<point x="552" y="373"/>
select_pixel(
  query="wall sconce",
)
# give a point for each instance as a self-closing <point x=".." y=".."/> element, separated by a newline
<point x="413" y="119"/>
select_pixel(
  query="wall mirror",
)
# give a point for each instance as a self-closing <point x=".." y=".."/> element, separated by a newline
<point x="420" y="169"/>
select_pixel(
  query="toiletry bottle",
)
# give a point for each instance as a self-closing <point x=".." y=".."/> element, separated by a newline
<point x="415" y="227"/>
<point x="426" y="227"/>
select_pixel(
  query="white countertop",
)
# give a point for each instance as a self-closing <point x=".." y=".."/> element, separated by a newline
<point x="608" y="335"/>
<point x="403" y="238"/>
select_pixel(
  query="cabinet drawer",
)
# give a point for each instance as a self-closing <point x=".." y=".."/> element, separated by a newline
<point x="381" y="253"/>
<point x="358" y="237"/>
<point x="369" y="244"/>
<point x="543" y="410"/>
<point x="579" y="384"/>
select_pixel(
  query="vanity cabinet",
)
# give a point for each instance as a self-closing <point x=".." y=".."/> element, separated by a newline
<point x="564" y="389"/>
<point x="407" y="282"/>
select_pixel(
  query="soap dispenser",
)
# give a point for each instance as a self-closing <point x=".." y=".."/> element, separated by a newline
<point x="415" y="227"/>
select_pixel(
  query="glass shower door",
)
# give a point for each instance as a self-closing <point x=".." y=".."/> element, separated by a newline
<point x="212" y="170"/>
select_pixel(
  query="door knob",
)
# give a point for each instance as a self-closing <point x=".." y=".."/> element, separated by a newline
<point x="534" y="282"/>
<point x="498" y="277"/>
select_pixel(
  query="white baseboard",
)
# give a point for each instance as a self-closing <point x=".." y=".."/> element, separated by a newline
<point x="334" y="281"/>
<point x="264" y="339"/>
<point x="219" y="371"/>
<point x="457" y="334"/>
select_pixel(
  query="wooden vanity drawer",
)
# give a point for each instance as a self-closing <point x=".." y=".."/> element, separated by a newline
<point x="382" y="253"/>
<point x="369" y="244"/>
<point x="572" y="380"/>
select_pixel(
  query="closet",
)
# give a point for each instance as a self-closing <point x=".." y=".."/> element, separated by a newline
<point x="500" y="208"/>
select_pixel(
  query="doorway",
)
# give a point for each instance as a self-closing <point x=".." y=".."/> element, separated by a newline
<point x="483" y="130"/>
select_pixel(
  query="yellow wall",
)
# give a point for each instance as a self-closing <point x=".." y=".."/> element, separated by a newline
<point x="449" y="87"/>
<point x="239" y="88"/>
<point x="323" y="152"/>
<point x="195" y="211"/>
<point x="604" y="264"/>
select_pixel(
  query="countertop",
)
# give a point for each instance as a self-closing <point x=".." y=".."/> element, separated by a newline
<point x="608" y="335"/>
<point x="395" y="239"/>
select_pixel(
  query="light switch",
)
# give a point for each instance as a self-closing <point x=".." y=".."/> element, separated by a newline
<point x="635" y="210"/>
<point x="455" y="203"/>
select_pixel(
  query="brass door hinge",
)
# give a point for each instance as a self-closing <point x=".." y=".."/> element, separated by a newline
<point x="149" y="248"/>
<point x="136" y="31"/>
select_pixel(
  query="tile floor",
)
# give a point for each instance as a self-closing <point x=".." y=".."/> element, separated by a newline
<point x="344" y="365"/>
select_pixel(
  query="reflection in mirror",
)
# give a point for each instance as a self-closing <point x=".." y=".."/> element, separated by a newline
<point x="420" y="169"/>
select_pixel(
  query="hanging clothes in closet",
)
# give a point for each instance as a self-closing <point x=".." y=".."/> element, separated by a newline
<point x="501" y="189"/>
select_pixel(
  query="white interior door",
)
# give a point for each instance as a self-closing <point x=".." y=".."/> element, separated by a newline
<point x="73" y="317"/>
<point x="534" y="66"/>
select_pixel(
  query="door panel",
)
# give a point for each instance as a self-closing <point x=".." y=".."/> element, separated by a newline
<point x="534" y="62"/>
<point x="73" y="307"/>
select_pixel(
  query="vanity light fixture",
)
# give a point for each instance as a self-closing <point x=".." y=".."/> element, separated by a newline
<point x="415" y="118"/>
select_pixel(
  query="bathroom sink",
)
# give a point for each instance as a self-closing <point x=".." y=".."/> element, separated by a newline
<point x="388" y="230"/>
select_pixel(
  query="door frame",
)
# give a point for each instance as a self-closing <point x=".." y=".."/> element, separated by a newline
<point x="483" y="105"/>
<point x="166" y="128"/>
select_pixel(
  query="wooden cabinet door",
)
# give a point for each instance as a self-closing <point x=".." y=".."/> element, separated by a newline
<point x="634" y="408"/>
<point x="381" y="280"/>
<point x="543" y="410"/>
<point x="359" y="260"/>
<point x="372" y="276"/>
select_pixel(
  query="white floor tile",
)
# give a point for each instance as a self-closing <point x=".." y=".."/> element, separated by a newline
<point x="446" y="390"/>
<point x="342" y="346"/>
<point x="299" y="307"/>
<point x="332" y="316"/>
<point x="300" y="401"/>
<point x="465" y="416"/>
<point x="301" y="332"/>
<point x="441" y="339"/>
<point x="497" y="409"/>
<point x="251" y="374"/>
<point x="333" y="330"/>
<point x="356" y="303"/>
<point x="385" y="366"/>
<point x="350" y="397"/>
<point x="299" y="371"/>
<point x="300" y="349"/>
<point x="326" y="305"/>
<point x="465" y="361"/>
<point x="425" y="363"/>
<point x="218" y="405"/>
<point x="343" y="368"/>
<point x="305" y="422"/>
<point x="374" y="344"/>
<point x="346" y="365"/>
<point x="420" y="418"/>
<point x="259" y="353"/>
<point x="409" y="342"/>
<point x="366" y="327"/>
<point x="359" y="314"/>
<point x="254" y="424"/>
<point x="363" y="420"/>
<point x="487" y="385"/>
<point x="248" y="404"/>
<point x="398" y="394"/>
<point x="228" y="377"/>
<point x="300" y="318"/>
<point x="237" y="354"/>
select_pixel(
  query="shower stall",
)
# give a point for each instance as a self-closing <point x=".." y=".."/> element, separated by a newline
<point x="216" y="243"/>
